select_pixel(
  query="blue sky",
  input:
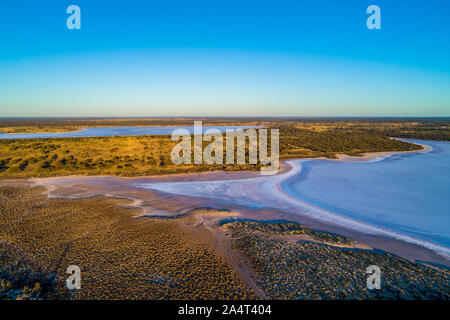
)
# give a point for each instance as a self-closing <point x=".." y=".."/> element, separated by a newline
<point x="213" y="58"/>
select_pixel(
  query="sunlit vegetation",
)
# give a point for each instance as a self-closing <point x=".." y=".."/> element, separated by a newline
<point x="286" y="228"/>
<point x="311" y="270"/>
<point x="124" y="257"/>
<point x="123" y="156"/>
<point x="37" y="129"/>
<point x="414" y="128"/>
<point x="426" y="131"/>
<point x="120" y="257"/>
<point x="149" y="155"/>
<point x="301" y="143"/>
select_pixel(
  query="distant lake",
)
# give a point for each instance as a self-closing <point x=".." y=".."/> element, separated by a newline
<point x="114" y="131"/>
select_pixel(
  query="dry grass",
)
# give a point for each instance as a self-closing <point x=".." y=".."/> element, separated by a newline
<point x="151" y="155"/>
<point x="120" y="257"/>
<point x="311" y="270"/>
<point x="122" y="156"/>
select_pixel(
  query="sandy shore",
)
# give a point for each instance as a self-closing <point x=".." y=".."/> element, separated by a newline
<point x="153" y="203"/>
<point x="373" y="155"/>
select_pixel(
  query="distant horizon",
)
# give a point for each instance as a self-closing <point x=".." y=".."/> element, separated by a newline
<point x="226" y="117"/>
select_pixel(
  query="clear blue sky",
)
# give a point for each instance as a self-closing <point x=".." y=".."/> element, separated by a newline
<point x="217" y="57"/>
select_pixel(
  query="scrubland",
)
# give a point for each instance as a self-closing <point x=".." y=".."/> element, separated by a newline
<point x="125" y="257"/>
<point x="120" y="257"/>
<point x="151" y="155"/>
<point x="317" y="270"/>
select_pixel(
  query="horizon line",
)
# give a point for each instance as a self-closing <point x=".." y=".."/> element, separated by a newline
<point x="220" y="117"/>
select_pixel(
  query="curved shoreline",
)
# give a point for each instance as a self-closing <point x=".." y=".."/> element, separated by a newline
<point x="372" y="157"/>
<point x="267" y="190"/>
<point x="331" y="217"/>
<point x="357" y="225"/>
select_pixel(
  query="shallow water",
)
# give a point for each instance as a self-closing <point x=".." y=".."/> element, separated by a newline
<point x="114" y="131"/>
<point x="408" y="193"/>
<point x="404" y="195"/>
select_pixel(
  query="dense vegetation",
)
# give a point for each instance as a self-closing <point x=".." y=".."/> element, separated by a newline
<point x="120" y="257"/>
<point x="296" y="142"/>
<point x="21" y="279"/>
<point x="304" y="269"/>
<point x="414" y="128"/>
<point x="148" y="155"/>
<point x="285" y="228"/>
<point x="126" y="258"/>
<point x="124" y="156"/>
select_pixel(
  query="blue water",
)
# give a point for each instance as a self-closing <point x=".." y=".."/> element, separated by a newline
<point x="407" y="193"/>
<point x="114" y="131"/>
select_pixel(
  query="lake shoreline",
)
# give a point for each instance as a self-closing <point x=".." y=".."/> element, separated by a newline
<point x="110" y="131"/>
<point x="76" y="187"/>
<point x="215" y="174"/>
